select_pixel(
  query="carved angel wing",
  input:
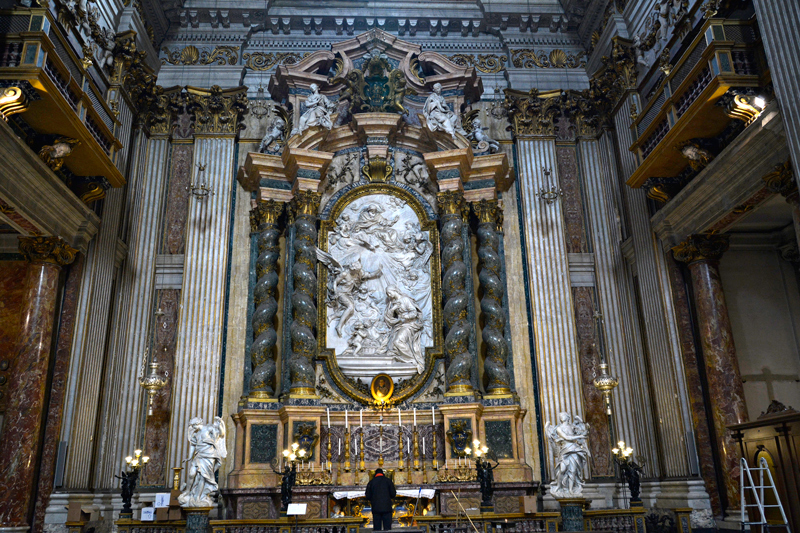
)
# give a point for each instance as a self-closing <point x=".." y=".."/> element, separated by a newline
<point x="467" y="118"/>
<point x="287" y="120"/>
<point x="329" y="261"/>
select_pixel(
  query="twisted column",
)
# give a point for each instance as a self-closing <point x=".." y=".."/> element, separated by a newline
<point x="725" y="389"/>
<point x="304" y="208"/>
<point x="456" y="298"/>
<point x="492" y="289"/>
<point x="22" y="434"/>
<point x="264" y="220"/>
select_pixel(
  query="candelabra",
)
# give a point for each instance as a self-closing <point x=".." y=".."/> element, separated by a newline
<point x="630" y="471"/>
<point x="129" y="479"/>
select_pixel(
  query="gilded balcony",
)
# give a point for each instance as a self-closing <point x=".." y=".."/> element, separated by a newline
<point x="723" y="59"/>
<point x="35" y="53"/>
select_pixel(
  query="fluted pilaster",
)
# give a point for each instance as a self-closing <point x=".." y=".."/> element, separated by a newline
<point x="492" y="289"/>
<point x="305" y="206"/>
<point x="264" y="221"/>
<point x="457" y="327"/>
<point x="558" y="366"/>
<point x="122" y="396"/>
<point x="198" y="354"/>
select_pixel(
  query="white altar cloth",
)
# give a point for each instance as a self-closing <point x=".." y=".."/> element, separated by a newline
<point x="350" y="494"/>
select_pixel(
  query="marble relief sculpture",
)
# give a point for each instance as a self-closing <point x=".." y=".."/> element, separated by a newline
<point x="379" y="306"/>
<point x="479" y="137"/>
<point x="439" y="116"/>
<point x="568" y="440"/>
<point x="318" y="112"/>
<point x="206" y="451"/>
<point x="274" y="134"/>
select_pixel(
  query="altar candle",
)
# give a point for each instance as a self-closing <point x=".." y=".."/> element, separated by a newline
<point x="361" y="418"/>
<point x="340" y="447"/>
<point x="415" y="416"/>
<point x="399" y="418"/>
<point x="408" y="446"/>
<point x="381" y="444"/>
<point x="346" y="425"/>
<point x="328" y="412"/>
<point x="433" y="415"/>
<point x="423" y="447"/>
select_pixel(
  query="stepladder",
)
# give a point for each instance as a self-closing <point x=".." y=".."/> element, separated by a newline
<point x="760" y="503"/>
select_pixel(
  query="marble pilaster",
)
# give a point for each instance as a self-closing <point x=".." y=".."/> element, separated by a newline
<point x="782" y="181"/>
<point x="557" y="358"/>
<point x="726" y="392"/>
<point x="198" y="354"/>
<point x="23" y="421"/>
<point x="777" y="22"/>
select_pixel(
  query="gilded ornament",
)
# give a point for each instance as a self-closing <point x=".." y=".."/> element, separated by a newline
<point x="781" y="180"/>
<point x="218" y="112"/>
<point x="705" y="247"/>
<point x="266" y="213"/>
<point x="53" y="155"/>
<point x="52" y="250"/>
<point x="12" y="101"/>
<point x="267" y="61"/>
<point x="451" y="202"/>
<point x="377" y="170"/>
<point x="741" y="105"/>
<point x="488" y="63"/>
<point x="305" y="202"/>
<point x="530" y="113"/>
<point x="527" y="58"/>
<point x="191" y="55"/>
<point x="375" y="87"/>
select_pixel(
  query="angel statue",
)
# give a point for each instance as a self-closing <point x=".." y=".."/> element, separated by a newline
<point x="479" y="137"/>
<point x="275" y="132"/>
<point x="206" y="449"/>
<point x="568" y="442"/>
<point x="439" y="116"/>
<point x="345" y="285"/>
<point x="318" y="112"/>
<point x="107" y="41"/>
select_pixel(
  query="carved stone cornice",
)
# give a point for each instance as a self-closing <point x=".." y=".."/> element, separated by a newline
<point x="216" y="111"/>
<point x="53" y="250"/>
<point x="266" y="213"/>
<point x="532" y="114"/>
<point x="305" y="202"/>
<point x="781" y="181"/>
<point x="706" y="248"/>
<point x="451" y="203"/>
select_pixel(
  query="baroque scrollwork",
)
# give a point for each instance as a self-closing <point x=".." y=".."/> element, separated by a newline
<point x="527" y="58"/>
<point x="191" y="55"/>
<point x="269" y="60"/>
<point x="530" y="113"/>
<point x="488" y="63"/>
<point x="47" y="250"/>
<point x="217" y="112"/>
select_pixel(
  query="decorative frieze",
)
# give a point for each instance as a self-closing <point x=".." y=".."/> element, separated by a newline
<point x="270" y="60"/>
<point x="529" y="58"/>
<point x="488" y="63"/>
<point x="191" y="55"/>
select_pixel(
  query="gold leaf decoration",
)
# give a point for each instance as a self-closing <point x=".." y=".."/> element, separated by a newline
<point x="526" y="58"/>
<point x="262" y="61"/>
<point x="488" y="63"/>
<point x="191" y="55"/>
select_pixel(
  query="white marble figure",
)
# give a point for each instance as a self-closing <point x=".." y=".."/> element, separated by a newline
<point x="107" y="42"/>
<point x="664" y="10"/>
<point x="641" y="57"/>
<point x="318" y="112"/>
<point x="379" y="306"/>
<point x="479" y="136"/>
<point x="439" y="116"/>
<point x="275" y="131"/>
<point x="206" y="451"/>
<point x="568" y="443"/>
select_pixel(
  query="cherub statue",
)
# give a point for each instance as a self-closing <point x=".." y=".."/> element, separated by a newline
<point x="206" y="449"/>
<point x="480" y="138"/>
<point x="106" y="41"/>
<point x="53" y="154"/>
<point x="274" y="134"/>
<point x="318" y="112"/>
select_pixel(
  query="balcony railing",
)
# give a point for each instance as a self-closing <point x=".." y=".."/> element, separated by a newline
<point x="33" y="49"/>
<point x="683" y="105"/>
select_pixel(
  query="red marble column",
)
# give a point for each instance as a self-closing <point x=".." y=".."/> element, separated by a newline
<point x="726" y="393"/>
<point x="22" y="432"/>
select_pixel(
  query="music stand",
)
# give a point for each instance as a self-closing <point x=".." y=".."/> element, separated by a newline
<point x="296" y="509"/>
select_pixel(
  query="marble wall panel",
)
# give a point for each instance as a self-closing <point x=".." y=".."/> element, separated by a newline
<point x="12" y="287"/>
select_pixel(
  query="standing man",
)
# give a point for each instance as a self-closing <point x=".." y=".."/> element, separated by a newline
<point x="380" y="491"/>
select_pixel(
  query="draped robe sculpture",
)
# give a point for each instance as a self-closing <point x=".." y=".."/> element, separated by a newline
<point x="206" y="451"/>
<point x="568" y="442"/>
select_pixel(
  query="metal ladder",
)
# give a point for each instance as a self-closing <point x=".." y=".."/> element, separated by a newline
<point x="757" y="492"/>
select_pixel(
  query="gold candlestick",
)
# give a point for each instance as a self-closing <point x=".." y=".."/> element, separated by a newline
<point x="380" y="449"/>
<point x="416" y="449"/>
<point x="330" y="454"/>
<point x="434" y="462"/>
<point x="347" y="449"/>
<point x="400" y="448"/>
<point x="424" y="473"/>
<point x="361" y="464"/>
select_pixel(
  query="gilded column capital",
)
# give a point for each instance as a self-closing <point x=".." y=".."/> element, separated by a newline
<point x="701" y="248"/>
<point x="305" y="202"/>
<point x="488" y="212"/>
<point x="266" y="213"/>
<point x="531" y="113"/>
<point x="52" y="250"/>
<point x="781" y="181"/>
<point x="217" y="111"/>
<point x="452" y="203"/>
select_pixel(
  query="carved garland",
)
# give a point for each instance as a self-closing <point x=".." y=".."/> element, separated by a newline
<point x="527" y="58"/>
<point x="488" y="63"/>
<point x="191" y="55"/>
<point x="262" y="61"/>
<point x="404" y="389"/>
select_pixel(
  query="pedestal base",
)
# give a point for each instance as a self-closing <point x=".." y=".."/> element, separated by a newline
<point x="572" y="513"/>
<point x="487" y="507"/>
<point x="197" y="520"/>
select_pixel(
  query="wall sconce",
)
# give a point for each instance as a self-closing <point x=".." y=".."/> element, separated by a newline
<point x="200" y="190"/>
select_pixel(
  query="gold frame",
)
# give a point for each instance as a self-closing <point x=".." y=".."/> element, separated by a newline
<point x="406" y="388"/>
<point x="376" y="394"/>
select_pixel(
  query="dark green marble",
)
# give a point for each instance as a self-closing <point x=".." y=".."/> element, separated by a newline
<point x="263" y="443"/>
<point x="498" y="438"/>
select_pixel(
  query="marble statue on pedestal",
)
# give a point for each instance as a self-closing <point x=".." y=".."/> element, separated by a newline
<point x="439" y="116"/>
<point x="379" y="301"/>
<point x="568" y="442"/>
<point x="206" y="451"/>
<point x="318" y="112"/>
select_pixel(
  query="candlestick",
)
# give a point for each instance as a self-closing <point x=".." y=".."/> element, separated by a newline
<point x="415" y="417"/>
<point x="328" y="412"/>
<point x="424" y="472"/>
<point x="361" y="418"/>
<point x="400" y="448"/>
<point x="434" y="461"/>
<point x="330" y="436"/>
<point x="346" y="449"/>
<point x="433" y="415"/>
<point x="423" y="448"/>
<point x="361" y="465"/>
<point x="416" y="449"/>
